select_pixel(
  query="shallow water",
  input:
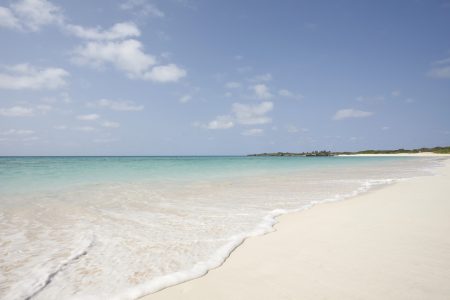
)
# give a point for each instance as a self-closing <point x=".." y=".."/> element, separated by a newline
<point x="121" y="227"/>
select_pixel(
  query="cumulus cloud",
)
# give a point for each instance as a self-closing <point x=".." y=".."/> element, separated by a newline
<point x="261" y="78"/>
<point x="116" y="105"/>
<point x="288" y="94"/>
<point x="16" y="111"/>
<point x="221" y="122"/>
<point x="252" y="114"/>
<point x="30" y="15"/>
<point x="127" y="56"/>
<point x="88" y="117"/>
<point x="261" y="91"/>
<point x="116" y="32"/>
<point x="440" y="69"/>
<point x="244" y="114"/>
<point x="351" y="113"/>
<point x="25" y="76"/>
<point x="165" y="73"/>
<point x="7" y="19"/>
<point x="253" y="132"/>
<point x="142" y="7"/>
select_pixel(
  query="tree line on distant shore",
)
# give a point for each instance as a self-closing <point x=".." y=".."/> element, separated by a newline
<point x="439" y="150"/>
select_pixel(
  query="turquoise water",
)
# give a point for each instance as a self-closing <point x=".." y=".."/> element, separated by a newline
<point x="122" y="227"/>
<point x="25" y="174"/>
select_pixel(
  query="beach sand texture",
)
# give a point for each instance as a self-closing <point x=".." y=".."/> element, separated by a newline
<point x="391" y="243"/>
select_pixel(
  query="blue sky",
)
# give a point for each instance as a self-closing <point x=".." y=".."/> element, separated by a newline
<point x="185" y="77"/>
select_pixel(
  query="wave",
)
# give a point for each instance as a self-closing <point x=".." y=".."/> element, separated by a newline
<point x="38" y="281"/>
<point x="266" y="226"/>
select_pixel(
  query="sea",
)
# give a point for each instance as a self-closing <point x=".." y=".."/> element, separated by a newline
<point x="124" y="227"/>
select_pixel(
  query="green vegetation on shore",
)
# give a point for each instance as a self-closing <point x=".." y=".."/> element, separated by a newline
<point x="439" y="150"/>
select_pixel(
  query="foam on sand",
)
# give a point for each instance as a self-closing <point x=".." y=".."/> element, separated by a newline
<point x="391" y="243"/>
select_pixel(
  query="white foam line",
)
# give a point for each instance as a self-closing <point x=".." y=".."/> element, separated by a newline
<point x="200" y="269"/>
<point x="40" y="284"/>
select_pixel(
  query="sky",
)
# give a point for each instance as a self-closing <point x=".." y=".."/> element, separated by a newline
<point x="209" y="77"/>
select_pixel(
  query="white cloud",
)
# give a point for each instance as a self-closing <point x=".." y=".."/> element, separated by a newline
<point x="288" y="94"/>
<point x="440" y="72"/>
<point x="261" y="78"/>
<point x="127" y="56"/>
<point x="116" y="32"/>
<point x="89" y="117"/>
<point x="142" y="7"/>
<point x="85" y="128"/>
<point x="440" y="69"/>
<point x="285" y="93"/>
<point x="232" y="85"/>
<point x="109" y="124"/>
<point x="252" y="114"/>
<point x="30" y="15"/>
<point x="242" y="114"/>
<point x="60" y="127"/>
<point x="7" y="18"/>
<point x="221" y="122"/>
<point x="385" y="128"/>
<point x="16" y="132"/>
<point x="25" y="76"/>
<point x="185" y="98"/>
<point x="261" y="91"/>
<point x="351" y="113"/>
<point x="16" y="111"/>
<point x="116" y="105"/>
<point x="253" y="132"/>
<point x="165" y="73"/>
<point x="17" y="135"/>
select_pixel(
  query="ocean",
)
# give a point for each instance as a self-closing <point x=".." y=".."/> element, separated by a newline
<point x="123" y="227"/>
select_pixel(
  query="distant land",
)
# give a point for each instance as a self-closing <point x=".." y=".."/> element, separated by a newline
<point x="439" y="150"/>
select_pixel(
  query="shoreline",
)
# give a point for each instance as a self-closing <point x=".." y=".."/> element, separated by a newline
<point x="422" y="154"/>
<point x="252" y="263"/>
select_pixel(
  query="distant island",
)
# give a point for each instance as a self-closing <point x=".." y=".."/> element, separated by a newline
<point x="439" y="150"/>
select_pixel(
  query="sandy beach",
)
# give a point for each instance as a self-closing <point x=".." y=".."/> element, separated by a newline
<point x="390" y="243"/>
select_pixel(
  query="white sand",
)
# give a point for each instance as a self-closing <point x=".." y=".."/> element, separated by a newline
<point x="421" y="154"/>
<point x="392" y="243"/>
